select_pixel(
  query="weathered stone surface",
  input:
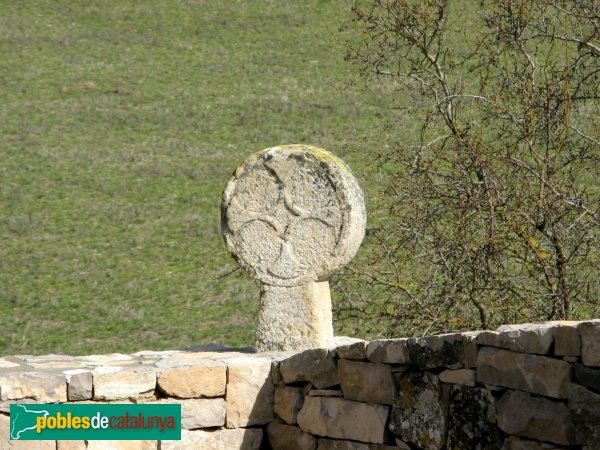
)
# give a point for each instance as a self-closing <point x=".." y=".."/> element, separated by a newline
<point x="459" y="376"/>
<point x="237" y="439"/>
<point x="200" y="413"/>
<point x="515" y="443"/>
<point x="325" y="393"/>
<point x="205" y="379"/>
<point x="531" y="373"/>
<point x="566" y="338"/>
<point x="287" y="437"/>
<point x="418" y="415"/>
<point x="337" y="444"/>
<point x="445" y="350"/>
<point x="351" y="348"/>
<point x="122" y="445"/>
<point x="79" y="384"/>
<point x="288" y="402"/>
<point x="116" y="383"/>
<point x="590" y="343"/>
<point x="472" y="420"/>
<point x="537" y="418"/>
<point x="249" y="392"/>
<point x="343" y="419"/>
<point x="366" y="382"/>
<point x="390" y="351"/>
<point x="585" y="410"/>
<point x="587" y="376"/>
<point x="71" y="445"/>
<point x="470" y="348"/>
<point x="294" y="318"/>
<point x="527" y="337"/>
<point x="293" y="215"/>
<point x="317" y="366"/>
<point x="6" y="364"/>
<point x="36" y="386"/>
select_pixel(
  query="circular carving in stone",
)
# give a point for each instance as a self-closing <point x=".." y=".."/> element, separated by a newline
<point x="293" y="214"/>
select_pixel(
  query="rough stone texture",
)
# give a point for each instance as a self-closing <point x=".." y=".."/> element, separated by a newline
<point x="527" y="337"/>
<point x="366" y="382"/>
<point x="472" y="420"/>
<point x="238" y="439"/>
<point x="71" y="445"/>
<point x="205" y="379"/>
<point x="531" y="373"/>
<point x="288" y="402"/>
<point x="353" y="349"/>
<point x="291" y="216"/>
<point x="294" y="318"/>
<point x="587" y="376"/>
<point x="590" y="343"/>
<point x="200" y="413"/>
<point x="566" y="339"/>
<point x="514" y="443"/>
<point x="35" y="386"/>
<point x="336" y="444"/>
<point x="470" y="348"/>
<point x="445" y="350"/>
<point x="344" y="419"/>
<point x="458" y="376"/>
<point x="249" y="392"/>
<point x="79" y="384"/>
<point x="418" y="415"/>
<point x="114" y="383"/>
<point x="585" y="411"/>
<point x="325" y="393"/>
<point x="287" y="437"/>
<point x="122" y="445"/>
<point x="317" y="366"/>
<point x="390" y="351"/>
<point x="537" y="418"/>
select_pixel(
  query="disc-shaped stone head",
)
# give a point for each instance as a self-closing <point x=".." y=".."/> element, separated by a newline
<point x="293" y="214"/>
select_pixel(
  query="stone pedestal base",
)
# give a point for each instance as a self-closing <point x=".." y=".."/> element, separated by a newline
<point x="294" y="318"/>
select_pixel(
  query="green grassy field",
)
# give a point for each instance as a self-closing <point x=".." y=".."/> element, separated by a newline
<point x="120" y="124"/>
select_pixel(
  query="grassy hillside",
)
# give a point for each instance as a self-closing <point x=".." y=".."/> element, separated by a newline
<point x="120" y="123"/>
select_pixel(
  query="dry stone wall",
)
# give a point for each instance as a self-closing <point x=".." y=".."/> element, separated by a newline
<point x="522" y="387"/>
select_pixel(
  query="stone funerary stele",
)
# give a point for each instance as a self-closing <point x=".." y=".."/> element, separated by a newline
<point x="292" y="216"/>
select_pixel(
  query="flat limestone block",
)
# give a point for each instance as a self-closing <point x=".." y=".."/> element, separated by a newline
<point x="317" y="366"/>
<point x="41" y="387"/>
<point x="288" y="402"/>
<point x="534" y="417"/>
<point x="366" y="382"/>
<point x="249" y="392"/>
<point x="116" y="383"/>
<point x="204" y="379"/>
<point x="390" y="351"/>
<point x="344" y="419"/>
<point x="590" y="343"/>
<point x="531" y="373"/>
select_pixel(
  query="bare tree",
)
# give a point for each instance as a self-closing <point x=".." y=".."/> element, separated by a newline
<point x="493" y="215"/>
